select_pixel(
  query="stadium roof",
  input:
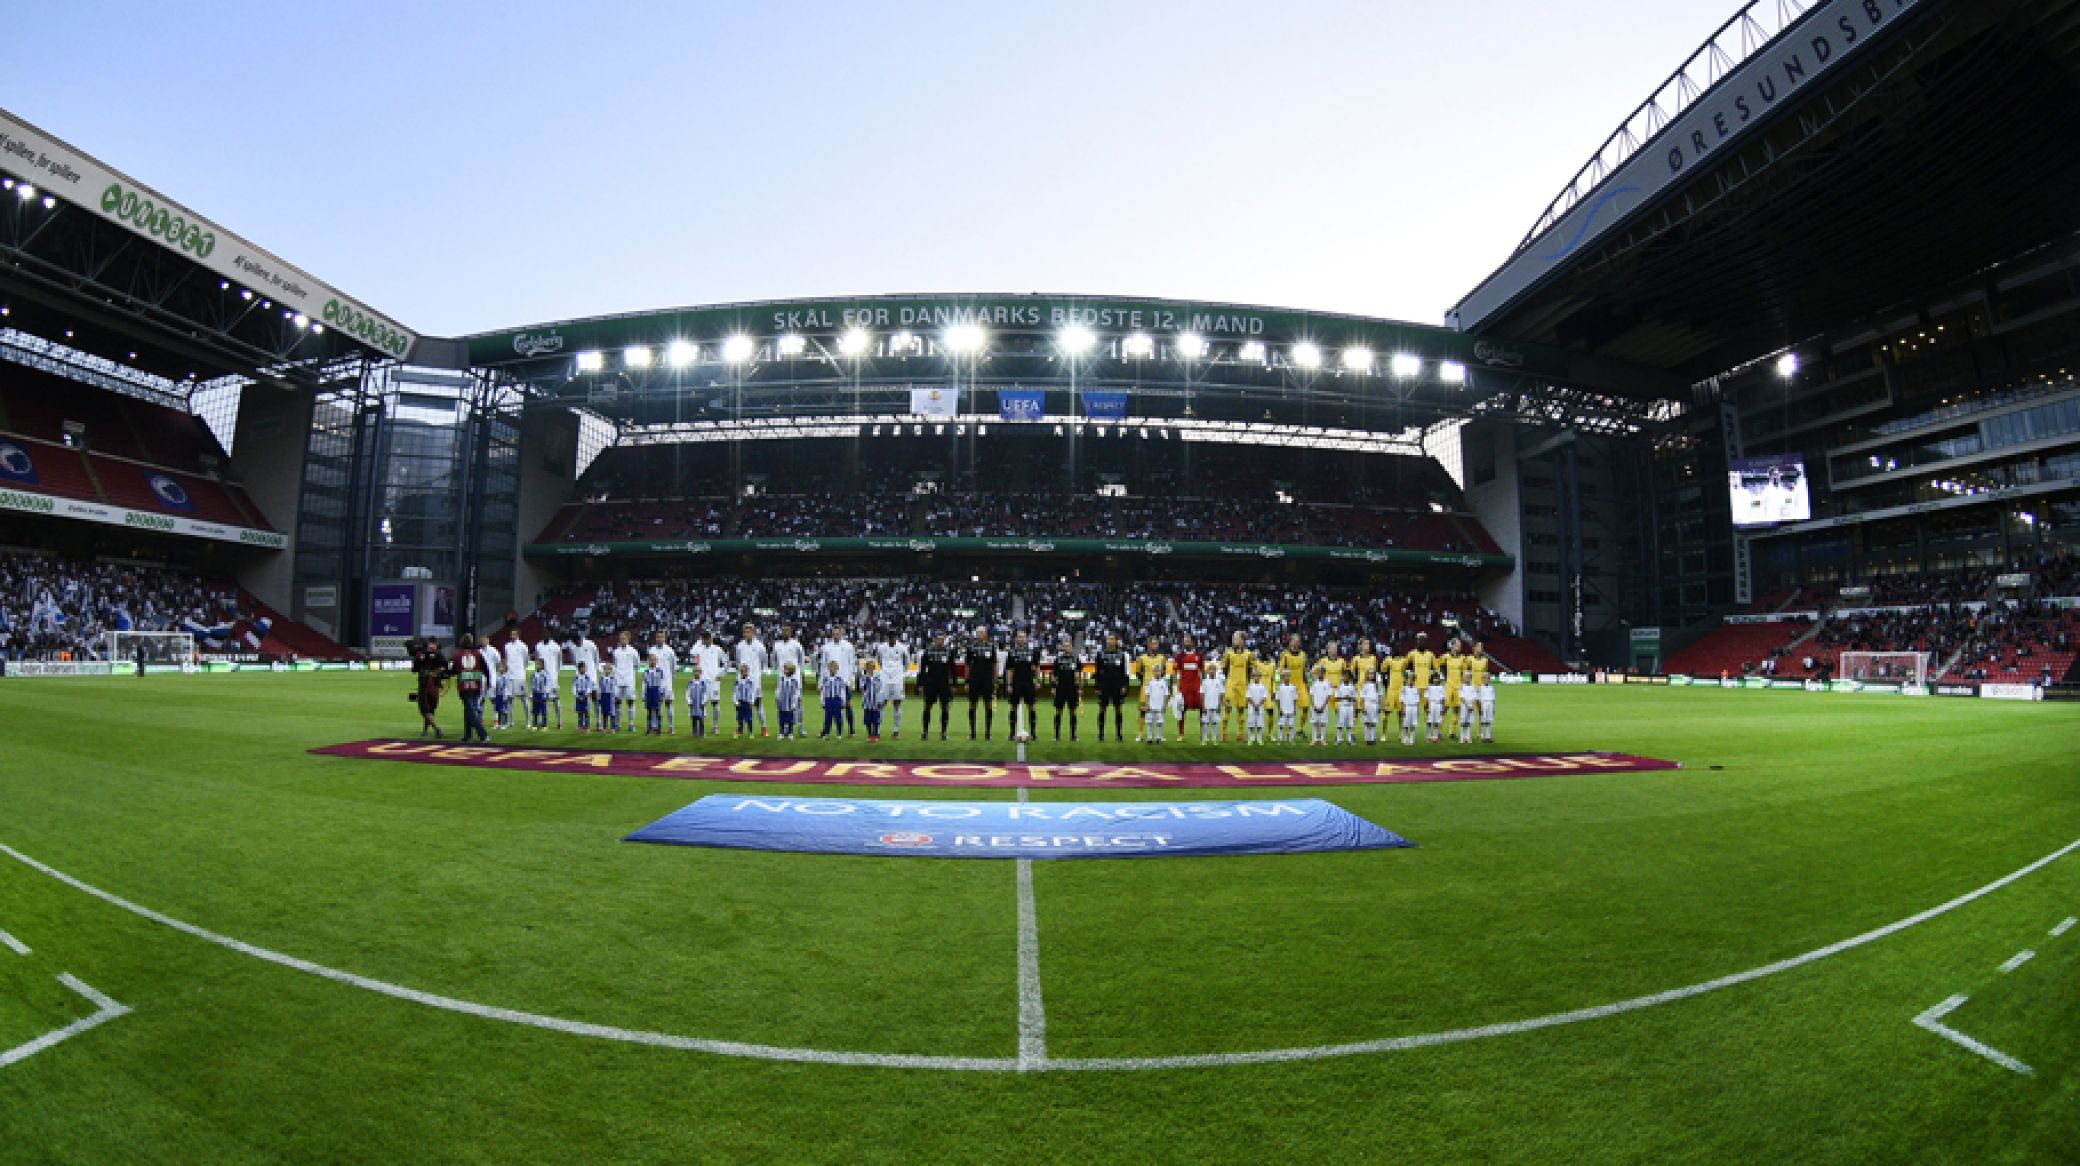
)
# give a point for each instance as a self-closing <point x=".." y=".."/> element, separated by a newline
<point x="820" y="357"/>
<point x="96" y="262"/>
<point x="1864" y="153"/>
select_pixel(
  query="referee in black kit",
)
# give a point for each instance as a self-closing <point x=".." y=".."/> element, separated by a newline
<point x="935" y="683"/>
<point x="1022" y="683"/>
<point x="1067" y="671"/>
<point x="982" y="683"/>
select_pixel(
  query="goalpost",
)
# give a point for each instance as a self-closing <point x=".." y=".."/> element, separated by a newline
<point x="1902" y="668"/>
<point x="158" y="649"/>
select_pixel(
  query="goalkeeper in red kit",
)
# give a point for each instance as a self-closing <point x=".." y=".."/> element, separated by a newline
<point x="1189" y="667"/>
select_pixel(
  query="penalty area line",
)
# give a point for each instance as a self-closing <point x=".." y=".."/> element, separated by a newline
<point x="1932" y="1021"/>
<point x="105" y="1010"/>
<point x="12" y="944"/>
<point x="1045" y="1063"/>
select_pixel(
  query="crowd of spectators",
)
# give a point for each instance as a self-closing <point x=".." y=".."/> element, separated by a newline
<point x="53" y="607"/>
<point x="916" y="610"/>
<point x="1037" y="515"/>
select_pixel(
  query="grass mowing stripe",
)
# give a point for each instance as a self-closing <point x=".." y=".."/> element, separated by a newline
<point x="1042" y="1062"/>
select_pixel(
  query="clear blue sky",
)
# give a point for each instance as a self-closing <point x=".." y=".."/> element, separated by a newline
<point x="471" y="166"/>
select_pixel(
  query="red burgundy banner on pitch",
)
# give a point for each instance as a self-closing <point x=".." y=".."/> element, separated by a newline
<point x="1079" y="775"/>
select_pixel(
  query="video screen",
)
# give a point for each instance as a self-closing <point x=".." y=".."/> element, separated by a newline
<point x="1767" y="490"/>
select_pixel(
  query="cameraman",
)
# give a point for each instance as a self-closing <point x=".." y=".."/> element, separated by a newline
<point x="431" y="669"/>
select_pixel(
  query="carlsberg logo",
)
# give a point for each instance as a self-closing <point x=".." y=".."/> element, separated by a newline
<point x="148" y="521"/>
<point x="36" y="502"/>
<point x="537" y="344"/>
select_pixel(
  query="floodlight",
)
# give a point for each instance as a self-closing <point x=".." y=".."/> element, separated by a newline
<point x="1140" y="344"/>
<point x="737" y="349"/>
<point x="246" y="294"/>
<point x="302" y="321"/>
<point x="1252" y="350"/>
<point x="680" y="353"/>
<point x="793" y="344"/>
<point x="26" y="191"/>
<point x="318" y="329"/>
<point x="1189" y="345"/>
<point x="854" y="342"/>
<point x="637" y="356"/>
<point x="591" y="361"/>
<point x="1451" y="372"/>
<point x="49" y="203"/>
<point x="1405" y="364"/>
<point x="965" y="337"/>
<point x="1787" y="365"/>
<point x="902" y="342"/>
<point x="1076" y="340"/>
<point x="1357" y="358"/>
<point x="1306" y="355"/>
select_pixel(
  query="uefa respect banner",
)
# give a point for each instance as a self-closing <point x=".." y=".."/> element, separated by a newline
<point x="933" y="829"/>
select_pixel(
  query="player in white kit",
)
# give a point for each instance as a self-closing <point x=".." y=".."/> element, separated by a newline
<point x="668" y="664"/>
<point x="550" y="653"/>
<point x="752" y="660"/>
<point x="893" y="656"/>
<point x="627" y="663"/>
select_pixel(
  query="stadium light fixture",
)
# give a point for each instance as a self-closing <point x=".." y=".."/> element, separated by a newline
<point x="737" y="349"/>
<point x="1076" y="340"/>
<point x="855" y="342"/>
<point x="966" y="338"/>
<point x="245" y="293"/>
<point x="318" y="329"/>
<point x="303" y="322"/>
<point x="637" y="356"/>
<point x="6" y="184"/>
<point x="793" y="344"/>
<point x="1138" y="345"/>
<point x="26" y="191"/>
<point x="1787" y="365"/>
<point x="591" y="360"/>
<point x="1451" y="372"/>
<point x="1189" y="345"/>
<point x="49" y="203"/>
<point x="1252" y="351"/>
<point x="1357" y="358"/>
<point x="680" y="353"/>
<point x="1306" y="355"/>
<point x="1405" y="364"/>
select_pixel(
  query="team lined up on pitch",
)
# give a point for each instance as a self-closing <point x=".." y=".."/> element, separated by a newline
<point x="1242" y="693"/>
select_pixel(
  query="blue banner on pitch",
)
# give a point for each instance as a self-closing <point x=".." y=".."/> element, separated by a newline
<point x="932" y="829"/>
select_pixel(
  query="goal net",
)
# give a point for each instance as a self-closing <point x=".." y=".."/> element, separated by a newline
<point x="154" y="648"/>
<point x="1904" y="668"/>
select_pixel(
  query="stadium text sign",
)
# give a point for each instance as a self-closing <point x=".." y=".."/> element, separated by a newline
<point x="58" y="169"/>
<point x="1817" y="44"/>
<point x="30" y="503"/>
<point x="1018" y="829"/>
<point x="1079" y="775"/>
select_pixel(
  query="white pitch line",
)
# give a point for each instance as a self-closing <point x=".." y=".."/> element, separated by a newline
<point x="2017" y="960"/>
<point x="1929" y="1020"/>
<point x="1032" y="1010"/>
<point x="105" y="1010"/>
<point x="1003" y="1064"/>
<point x="2062" y="928"/>
<point x="13" y="944"/>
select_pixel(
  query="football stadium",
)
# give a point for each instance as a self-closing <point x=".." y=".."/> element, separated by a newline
<point x="1634" y="718"/>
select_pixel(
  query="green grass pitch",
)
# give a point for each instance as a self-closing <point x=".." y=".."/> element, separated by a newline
<point x="1832" y="815"/>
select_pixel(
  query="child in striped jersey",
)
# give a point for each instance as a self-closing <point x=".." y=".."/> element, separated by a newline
<point x="583" y="690"/>
<point x="788" y="697"/>
<point x="697" y="703"/>
<point x="834" y="699"/>
<point x="747" y="700"/>
<point x="872" y="696"/>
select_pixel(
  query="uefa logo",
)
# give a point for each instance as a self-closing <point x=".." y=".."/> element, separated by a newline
<point x="906" y="838"/>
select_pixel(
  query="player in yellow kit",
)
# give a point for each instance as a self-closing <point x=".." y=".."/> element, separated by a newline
<point x="1480" y="705"/>
<point x="1236" y="664"/>
<point x="1150" y="665"/>
<point x="1397" y="670"/>
<point x="1422" y="661"/>
<point x="1364" y="665"/>
<point x="1292" y="663"/>
<point x="1334" y="664"/>
<point x="1454" y="677"/>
